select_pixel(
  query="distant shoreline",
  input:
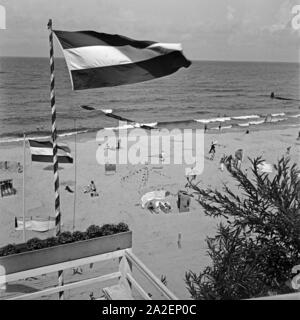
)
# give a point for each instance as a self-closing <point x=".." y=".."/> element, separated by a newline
<point x="59" y="56"/>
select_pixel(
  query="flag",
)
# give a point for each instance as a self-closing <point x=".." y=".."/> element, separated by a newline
<point x="42" y="151"/>
<point x="99" y="60"/>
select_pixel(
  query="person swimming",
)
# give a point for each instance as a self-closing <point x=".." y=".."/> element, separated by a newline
<point x="272" y="96"/>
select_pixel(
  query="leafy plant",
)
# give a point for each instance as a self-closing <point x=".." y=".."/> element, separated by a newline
<point x="92" y="231"/>
<point x="9" y="249"/>
<point x="50" y="242"/>
<point x="79" y="236"/>
<point x="35" y="244"/>
<point x="258" y="241"/>
<point x="65" y="237"/>
<point x="108" y="229"/>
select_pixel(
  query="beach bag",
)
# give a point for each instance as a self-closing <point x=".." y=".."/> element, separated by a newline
<point x="183" y="202"/>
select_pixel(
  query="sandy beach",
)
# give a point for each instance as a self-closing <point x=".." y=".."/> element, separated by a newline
<point x="154" y="235"/>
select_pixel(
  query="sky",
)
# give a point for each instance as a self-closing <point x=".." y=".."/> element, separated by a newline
<point x="240" y="30"/>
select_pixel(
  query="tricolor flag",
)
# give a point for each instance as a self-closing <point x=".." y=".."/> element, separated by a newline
<point x="99" y="60"/>
<point x="42" y="151"/>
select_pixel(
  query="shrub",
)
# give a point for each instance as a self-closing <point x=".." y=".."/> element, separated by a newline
<point x="122" y="227"/>
<point x="51" y="242"/>
<point x="92" y="231"/>
<point x="108" y="229"/>
<point x="34" y="244"/>
<point x="79" y="236"/>
<point x="9" y="249"/>
<point x="258" y="242"/>
<point x="65" y="237"/>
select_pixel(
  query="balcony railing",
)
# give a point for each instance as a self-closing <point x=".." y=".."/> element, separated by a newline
<point x="126" y="285"/>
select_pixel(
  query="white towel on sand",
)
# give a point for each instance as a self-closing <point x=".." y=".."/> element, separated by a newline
<point x="153" y="195"/>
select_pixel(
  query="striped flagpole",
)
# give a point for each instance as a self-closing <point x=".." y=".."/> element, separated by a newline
<point x="55" y="158"/>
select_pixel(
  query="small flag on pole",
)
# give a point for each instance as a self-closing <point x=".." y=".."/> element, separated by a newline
<point x="42" y="151"/>
<point x="99" y="60"/>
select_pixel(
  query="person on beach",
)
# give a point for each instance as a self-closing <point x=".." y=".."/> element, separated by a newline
<point x="118" y="144"/>
<point x="229" y="162"/>
<point x="205" y="128"/>
<point x="19" y="168"/>
<point x="161" y="156"/>
<point x="91" y="189"/>
<point x="212" y="150"/>
<point x="92" y="186"/>
<point x="179" y="241"/>
<point x="220" y="127"/>
<point x="239" y="155"/>
<point x="222" y="162"/>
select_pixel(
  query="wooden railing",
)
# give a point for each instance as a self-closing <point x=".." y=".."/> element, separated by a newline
<point x="123" y="277"/>
<point x="289" y="296"/>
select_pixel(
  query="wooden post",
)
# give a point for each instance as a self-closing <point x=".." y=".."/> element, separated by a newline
<point x="54" y="144"/>
<point x="24" y="166"/>
<point x="75" y="175"/>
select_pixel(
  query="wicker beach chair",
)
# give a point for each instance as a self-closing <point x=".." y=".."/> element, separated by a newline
<point x="6" y="188"/>
<point x="110" y="168"/>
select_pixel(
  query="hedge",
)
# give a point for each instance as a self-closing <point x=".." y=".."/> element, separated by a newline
<point x="91" y="232"/>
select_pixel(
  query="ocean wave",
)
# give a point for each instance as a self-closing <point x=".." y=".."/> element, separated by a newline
<point x="174" y="122"/>
<point x="277" y="114"/>
<point x="223" y="90"/>
<point x="151" y="124"/>
<point x="219" y="119"/>
<point x="278" y="119"/>
<point x="127" y="126"/>
<point x="222" y="128"/>
<point x="256" y="122"/>
<point x="168" y="124"/>
<point x="247" y="124"/>
<point x="13" y="138"/>
<point x="132" y="126"/>
<point x="252" y="116"/>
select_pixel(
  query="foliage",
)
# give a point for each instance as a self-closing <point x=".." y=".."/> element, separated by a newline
<point x="34" y="244"/>
<point x="65" y="237"/>
<point x="258" y="240"/>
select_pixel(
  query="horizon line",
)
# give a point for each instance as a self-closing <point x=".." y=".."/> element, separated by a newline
<point x="203" y="60"/>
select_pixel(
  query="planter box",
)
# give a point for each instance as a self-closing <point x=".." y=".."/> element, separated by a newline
<point x="63" y="253"/>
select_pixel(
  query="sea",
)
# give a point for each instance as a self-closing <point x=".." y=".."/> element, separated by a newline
<point x="211" y="93"/>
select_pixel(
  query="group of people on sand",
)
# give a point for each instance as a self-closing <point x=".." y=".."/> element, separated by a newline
<point x="156" y="206"/>
<point x="91" y="188"/>
<point x="206" y="128"/>
<point x="229" y="161"/>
